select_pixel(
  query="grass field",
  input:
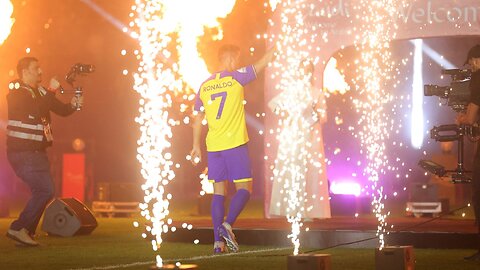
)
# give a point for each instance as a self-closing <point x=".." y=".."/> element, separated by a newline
<point x="116" y="244"/>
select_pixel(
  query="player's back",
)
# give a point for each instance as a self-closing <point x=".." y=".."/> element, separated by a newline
<point x="222" y="97"/>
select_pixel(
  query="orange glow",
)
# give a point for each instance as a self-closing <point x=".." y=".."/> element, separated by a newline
<point x="273" y="4"/>
<point x="189" y="25"/>
<point x="6" y="22"/>
<point x="334" y="81"/>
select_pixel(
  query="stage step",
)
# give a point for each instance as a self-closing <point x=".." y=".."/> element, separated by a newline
<point x="318" y="239"/>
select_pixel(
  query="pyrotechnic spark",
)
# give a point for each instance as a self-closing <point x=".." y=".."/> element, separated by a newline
<point x="375" y="68"/>
<point x="273" y="4"/>
<point x="207" y="187"/>
<point x="166" y="30"/>
<point x="6" y="22"/>
<point x="293" y="150"/>
<point x="377" y="28"/>
<point x="335" y="81"/>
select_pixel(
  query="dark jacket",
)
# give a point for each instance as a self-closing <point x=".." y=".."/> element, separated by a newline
<point x="26" y="108"/>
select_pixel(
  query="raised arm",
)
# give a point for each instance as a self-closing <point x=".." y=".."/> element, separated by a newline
<point x="263" y="62"/>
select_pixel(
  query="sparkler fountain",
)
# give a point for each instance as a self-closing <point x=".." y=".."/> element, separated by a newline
<point x="375" y="70"/>
<point x="293" y="151"/>
<point x="376" y="26"/>
<point x="166" y="31"/>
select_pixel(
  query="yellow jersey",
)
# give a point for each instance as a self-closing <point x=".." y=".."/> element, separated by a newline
<point x="221" y="98"/>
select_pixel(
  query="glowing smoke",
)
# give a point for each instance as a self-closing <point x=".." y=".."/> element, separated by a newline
<point x="6" y="22"/>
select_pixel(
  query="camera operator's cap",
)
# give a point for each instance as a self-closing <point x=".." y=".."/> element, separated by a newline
<point x="473" y="53"/>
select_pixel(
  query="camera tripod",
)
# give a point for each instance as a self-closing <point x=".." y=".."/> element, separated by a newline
<point x="459" y="174"/>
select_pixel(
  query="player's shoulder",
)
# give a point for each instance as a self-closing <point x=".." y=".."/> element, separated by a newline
<point x="245" y="69"/>
<point x="211" y="77"/>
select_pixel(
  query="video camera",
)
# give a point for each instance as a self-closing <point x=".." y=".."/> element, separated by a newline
<point x="457" y="93"/>
<point x="77" y="69"/>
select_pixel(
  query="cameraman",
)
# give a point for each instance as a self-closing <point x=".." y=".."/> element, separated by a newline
<point x="28" y="135"/>
<point x="470" y="118"/>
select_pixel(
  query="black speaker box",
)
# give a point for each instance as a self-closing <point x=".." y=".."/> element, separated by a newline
<point x="68" y="217"/>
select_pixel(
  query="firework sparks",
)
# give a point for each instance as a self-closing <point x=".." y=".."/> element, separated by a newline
<point x="375" y="69"/>
<point x="273" y="4"/>
<point x="336" y="80"/>
<point x="207" y="186"/>
<point x="293" y="151"/>
<point x="6" y="22"/>
<point x="298" y="40"/>
<point x="166" y="30"/>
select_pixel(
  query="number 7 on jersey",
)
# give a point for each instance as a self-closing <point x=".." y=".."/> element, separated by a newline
<point x="223" y="96"/>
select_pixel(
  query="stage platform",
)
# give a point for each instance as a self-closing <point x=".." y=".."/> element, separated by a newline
<point x="444" y="233"/>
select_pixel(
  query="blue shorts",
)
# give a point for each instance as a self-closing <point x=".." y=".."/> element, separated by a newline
<point x="231" y="164"/>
